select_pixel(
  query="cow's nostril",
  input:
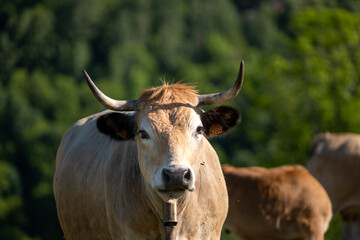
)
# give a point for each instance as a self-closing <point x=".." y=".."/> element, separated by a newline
<point x="166" y="174"/>
<point x="187" y="176"/>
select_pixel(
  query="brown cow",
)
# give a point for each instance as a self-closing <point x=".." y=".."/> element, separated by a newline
<point x="116" y="169"/>
<point x="335" y="162"/>
<point x="276" y="204"/>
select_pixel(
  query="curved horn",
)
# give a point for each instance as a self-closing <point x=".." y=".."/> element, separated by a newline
<point x="223" y="97"/>
<point x="109" y="103"/>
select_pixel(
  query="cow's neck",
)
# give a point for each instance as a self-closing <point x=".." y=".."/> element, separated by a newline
<point x="156" y="202"/>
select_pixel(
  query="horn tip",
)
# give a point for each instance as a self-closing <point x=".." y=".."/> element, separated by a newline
<point x="88" y="80"/>
<point x="87" y="77"/>
<point x="241" y="69"/>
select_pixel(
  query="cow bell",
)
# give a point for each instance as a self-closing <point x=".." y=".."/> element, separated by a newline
<point x="170" y="214"/>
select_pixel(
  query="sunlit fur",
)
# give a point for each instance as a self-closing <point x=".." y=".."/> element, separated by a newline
<point x="167" y="94"/>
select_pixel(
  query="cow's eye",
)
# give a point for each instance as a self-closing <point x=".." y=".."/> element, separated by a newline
<point x="144" y="134"/>
<point x="199" y="130"/>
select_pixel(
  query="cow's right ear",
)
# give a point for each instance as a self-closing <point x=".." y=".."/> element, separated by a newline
<point x="219" y="120"/>
<point x="119" y="126"/>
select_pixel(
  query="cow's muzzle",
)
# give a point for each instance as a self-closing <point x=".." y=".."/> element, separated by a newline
<point x="172" y="181"/>
<point x="177" y="179"/>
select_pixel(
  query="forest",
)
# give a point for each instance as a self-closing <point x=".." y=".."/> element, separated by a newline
<point x="302" y="68"/>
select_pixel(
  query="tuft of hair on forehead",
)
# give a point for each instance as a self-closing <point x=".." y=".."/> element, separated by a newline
<point x="169" y="93"/>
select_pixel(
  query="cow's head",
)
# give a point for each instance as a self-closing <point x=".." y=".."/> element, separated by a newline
<point x="170" y="129"/>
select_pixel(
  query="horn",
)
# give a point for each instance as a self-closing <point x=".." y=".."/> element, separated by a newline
<point x="109" y="103"/>
<point x="223" y="97"/>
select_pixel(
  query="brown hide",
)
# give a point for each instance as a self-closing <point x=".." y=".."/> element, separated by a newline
<point x="335" y="162"/>
<point x="278" y="203"/>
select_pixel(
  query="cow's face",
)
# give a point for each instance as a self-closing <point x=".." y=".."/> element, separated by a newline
<point x="170" y="141"/>
<point x="167" y="140"/>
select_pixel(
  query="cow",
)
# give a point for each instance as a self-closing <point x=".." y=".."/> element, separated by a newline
<point x="335" y="161"/>
<point x="116" y="169"/>
<point x="281" y="203"/>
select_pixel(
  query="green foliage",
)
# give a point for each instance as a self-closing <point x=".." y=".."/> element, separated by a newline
<point x="12" y="218"/>
<point x="329" y="60"/>
<point x="301" y="77"/>
<point x="335" y="229"/>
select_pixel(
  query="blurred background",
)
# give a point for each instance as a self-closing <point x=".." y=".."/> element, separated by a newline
<point x="302" y="61"/>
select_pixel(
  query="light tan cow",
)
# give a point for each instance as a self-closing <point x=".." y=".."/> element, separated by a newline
<point x="276" y="204"/>
<point x="335" y="162"/>
<point x="116" y="169"/>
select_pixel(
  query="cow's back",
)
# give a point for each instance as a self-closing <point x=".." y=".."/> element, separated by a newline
<point x="83" y="164"/>
<point x="278" y="203"/>
<point x="335" y="162"/>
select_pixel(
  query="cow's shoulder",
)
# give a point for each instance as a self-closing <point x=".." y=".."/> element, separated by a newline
<point x="232" y="173"/>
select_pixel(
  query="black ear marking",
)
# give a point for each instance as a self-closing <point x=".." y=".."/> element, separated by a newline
<point x="119" y="126"/>
<point x="218" y="121"/>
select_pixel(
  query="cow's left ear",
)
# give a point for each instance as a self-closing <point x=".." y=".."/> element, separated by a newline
<point x="219" y="120"/>
<point x="117" y="125"/>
